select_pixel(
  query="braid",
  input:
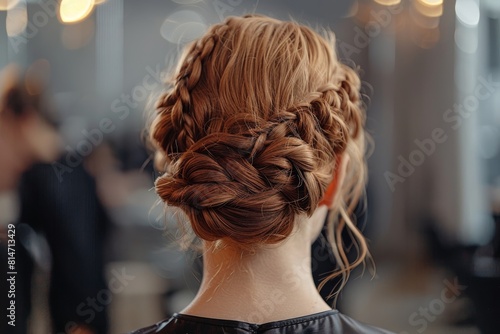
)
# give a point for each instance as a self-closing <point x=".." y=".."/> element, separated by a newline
<point x="175" y="107"/>
<point x="258" y="115"/>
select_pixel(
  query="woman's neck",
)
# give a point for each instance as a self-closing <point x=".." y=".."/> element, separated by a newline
<point x="272" y="283"/>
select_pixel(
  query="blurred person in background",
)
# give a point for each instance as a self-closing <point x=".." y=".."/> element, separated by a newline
<point x="28" y="135"/>
<point x="263" y="135"/>
<point x="74" y="222"/>
<point x="68" y="214"/>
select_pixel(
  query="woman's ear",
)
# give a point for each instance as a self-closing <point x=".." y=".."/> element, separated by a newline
<point x="332" y="192"/>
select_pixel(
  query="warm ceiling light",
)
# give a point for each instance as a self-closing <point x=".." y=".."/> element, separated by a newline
<point x="17" y="20"/>
<point x="72" y="11"/>
<point x="431" y="2"/>
<point x="388" y="2"/>
<point x="430" y="8"/>
<point x="8" y="4"/>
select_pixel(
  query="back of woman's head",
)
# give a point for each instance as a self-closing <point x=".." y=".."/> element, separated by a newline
<point x="258" y="112"/>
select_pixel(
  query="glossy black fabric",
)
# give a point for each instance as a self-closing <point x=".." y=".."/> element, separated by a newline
<point x="320" y="323"/>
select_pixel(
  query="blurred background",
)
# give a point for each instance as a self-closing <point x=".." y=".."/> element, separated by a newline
<point x="96" y="253"/>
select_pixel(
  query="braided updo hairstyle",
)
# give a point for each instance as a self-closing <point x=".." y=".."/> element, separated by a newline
<point x="252" y="125"/>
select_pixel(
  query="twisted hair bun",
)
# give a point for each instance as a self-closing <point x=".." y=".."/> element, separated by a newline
<point x="252" y="125"/>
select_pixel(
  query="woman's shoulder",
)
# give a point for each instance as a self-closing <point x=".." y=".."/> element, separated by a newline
<point x="324" y="322"/>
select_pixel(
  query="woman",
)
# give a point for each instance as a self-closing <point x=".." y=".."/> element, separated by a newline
<point x="262" y="132"/>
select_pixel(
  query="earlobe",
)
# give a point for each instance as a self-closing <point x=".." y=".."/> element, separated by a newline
<point x="332" y="191"/>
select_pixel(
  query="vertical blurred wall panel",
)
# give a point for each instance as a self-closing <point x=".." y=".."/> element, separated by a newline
<point x="3" y="40"/>
<point x="471" y="70"/>
<point x="423" y="92"/>
<point x="109" y="48"/>
<point x="447" y="188"/>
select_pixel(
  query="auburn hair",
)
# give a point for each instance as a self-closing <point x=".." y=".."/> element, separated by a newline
<point x="252" y="124"/>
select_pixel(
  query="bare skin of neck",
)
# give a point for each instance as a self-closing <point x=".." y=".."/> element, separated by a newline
<point x="272" y="283"/>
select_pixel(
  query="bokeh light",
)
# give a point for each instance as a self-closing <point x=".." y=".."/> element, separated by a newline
<point x="72" y="11"/>
<point x="430" y="8"/>
<point x="431" y="2"/>
<point x="467" y="12"/>
<point x="17" y="20"/>
<point x="183" y="26"/>
<point x="388" y="2"/>
<point x="8" y="4"/>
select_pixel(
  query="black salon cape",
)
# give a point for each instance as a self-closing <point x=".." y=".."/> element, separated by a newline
<point x="321" y="323"/>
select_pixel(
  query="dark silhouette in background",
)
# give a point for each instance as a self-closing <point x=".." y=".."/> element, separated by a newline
<point x="71" y="217"/>
<point x="67" y="213"/>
